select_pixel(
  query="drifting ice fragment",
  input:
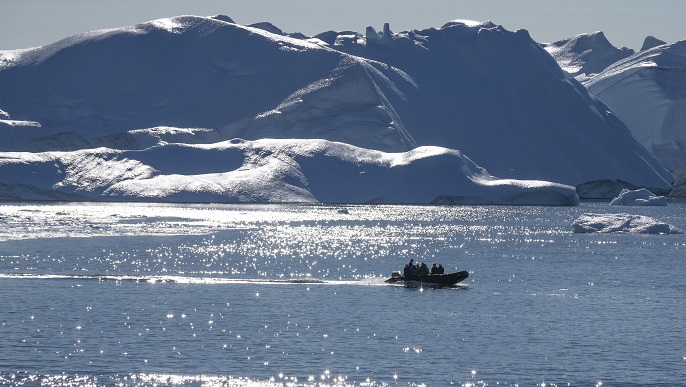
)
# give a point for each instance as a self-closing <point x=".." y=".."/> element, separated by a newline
<point x="622" y="223"/>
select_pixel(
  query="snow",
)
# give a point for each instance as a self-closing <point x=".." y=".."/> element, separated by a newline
<point x="192" y="84"/>
<point x="586" y="54"/>
<point x="169" y="25"/>
<point x="273" y="171"/>
<point x="19" y="123"/>
<point x="622" y="223"/>
<point x="639" y="197"/>
<point x="470" y="23"/>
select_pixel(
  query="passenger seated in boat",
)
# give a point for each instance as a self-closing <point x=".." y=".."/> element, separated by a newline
<point x="434" y="269"/>
<point x="407" y="272"/>
<point x="423" y="269"/>
<point x="413" y="271"/>
<point x="441" y="269"/>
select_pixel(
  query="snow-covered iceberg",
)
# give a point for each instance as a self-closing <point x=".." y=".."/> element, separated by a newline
<point x="501" y="99"/>
<point x="494" y="95"/>
<point x="639" y="197"/>
<point x="622" y="223"/>
<point x="273" y="171"/>
<point x="648" y="92"/>
<point x="586" y="55"/>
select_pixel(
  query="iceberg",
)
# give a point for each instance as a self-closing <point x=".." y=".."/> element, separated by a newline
<point x="639" y="197"/>
<point x="586" y="55"/>
<point x="268" y="171"/>
<point x="650" y="42"/>
<point x="648" y="92"/>
<point x="193" y="84"/>
<point x="622" y="223"/>
<point x="489" y="92"/>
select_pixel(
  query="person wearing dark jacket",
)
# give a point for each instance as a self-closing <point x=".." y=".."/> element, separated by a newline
<point x="407" y="272"/>
<point x="423" y="269"/>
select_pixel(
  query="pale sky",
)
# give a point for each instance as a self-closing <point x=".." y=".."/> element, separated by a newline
<point x="29" y="23"/>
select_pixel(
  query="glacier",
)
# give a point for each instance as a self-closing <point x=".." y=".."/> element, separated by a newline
<point x="203" y="109"/>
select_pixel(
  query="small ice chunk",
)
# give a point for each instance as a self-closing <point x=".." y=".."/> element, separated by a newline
<point x="639" y="197"/>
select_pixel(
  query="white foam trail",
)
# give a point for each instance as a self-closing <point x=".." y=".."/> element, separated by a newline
<point x="191" y="280"/>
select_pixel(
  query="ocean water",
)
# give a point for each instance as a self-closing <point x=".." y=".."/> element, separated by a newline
<point x="243" y="295"/>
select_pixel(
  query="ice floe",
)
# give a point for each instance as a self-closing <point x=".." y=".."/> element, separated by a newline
<point x="622" y="223"/>
<point x="639" y="197"/>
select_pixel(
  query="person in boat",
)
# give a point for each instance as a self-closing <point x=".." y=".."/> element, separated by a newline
<point x="414" y="270"/>
<point x="441" y="269"/>
<point x="407" y="271"/>
<point x="434" y="269"/>
<point x="423" y="270"/>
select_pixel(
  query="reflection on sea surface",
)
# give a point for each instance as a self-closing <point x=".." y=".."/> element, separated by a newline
<point x="141" y="294"/>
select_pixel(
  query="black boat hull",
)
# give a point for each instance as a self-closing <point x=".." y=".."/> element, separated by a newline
<point x="435" y="280"/>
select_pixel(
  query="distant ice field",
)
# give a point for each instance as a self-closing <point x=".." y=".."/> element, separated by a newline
<point x="270" y="295"/>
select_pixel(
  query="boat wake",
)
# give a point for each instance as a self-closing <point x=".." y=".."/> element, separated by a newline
<point x="154" y="279"/>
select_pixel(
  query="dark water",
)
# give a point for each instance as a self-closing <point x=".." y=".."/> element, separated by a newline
<point x="139" y="294"/>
